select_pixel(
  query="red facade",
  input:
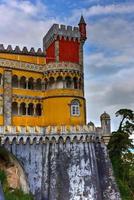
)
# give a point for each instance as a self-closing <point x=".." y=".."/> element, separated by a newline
<point x="69" y="51"/>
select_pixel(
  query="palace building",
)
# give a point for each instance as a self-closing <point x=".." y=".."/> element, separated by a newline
<point x="44" y="88"/>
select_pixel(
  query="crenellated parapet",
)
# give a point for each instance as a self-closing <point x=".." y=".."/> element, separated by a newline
<point x="60" y="31"/>
<point x="51" y="134"/>
<point x="23" y="51"/>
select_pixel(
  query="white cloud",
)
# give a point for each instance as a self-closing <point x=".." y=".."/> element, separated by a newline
<point x="22" y="22"/>
<point x="97" y="10"/>
<point x="110" y="9"/>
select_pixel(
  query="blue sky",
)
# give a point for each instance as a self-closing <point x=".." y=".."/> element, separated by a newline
<point x="108" y="52"/>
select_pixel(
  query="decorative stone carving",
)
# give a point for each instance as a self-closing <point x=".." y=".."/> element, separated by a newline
<point x="7" y="96"/>
<point x="21" y="65"/>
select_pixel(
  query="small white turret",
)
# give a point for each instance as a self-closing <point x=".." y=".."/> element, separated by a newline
<point x="105" y="123"/>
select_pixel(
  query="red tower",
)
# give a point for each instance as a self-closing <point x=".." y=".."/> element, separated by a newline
<point x="63" y="44"/>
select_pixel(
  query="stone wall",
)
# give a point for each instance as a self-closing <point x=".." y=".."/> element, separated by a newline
<point x="66" y="170"/>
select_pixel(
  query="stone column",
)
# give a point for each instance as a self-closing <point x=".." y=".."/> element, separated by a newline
<point x="18" y="108"/>
<point x="34" y="107"/>
<point x="57" y="51"/>
<point x="26" y="108"/>
<point x="7" y="97"/>
<point x="34" y="85"/>
<point x="43" y="85"/>
<point x="27" y="83"/>
<point x="64" y="82"/>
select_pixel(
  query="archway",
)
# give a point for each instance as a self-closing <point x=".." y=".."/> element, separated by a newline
<point x="16" y="177"/>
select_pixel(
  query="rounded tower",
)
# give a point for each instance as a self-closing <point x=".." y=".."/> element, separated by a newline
<point x="64" y="102"/>
<point x="105" y="123"/>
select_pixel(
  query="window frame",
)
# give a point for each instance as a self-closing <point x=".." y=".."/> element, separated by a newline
<point x="75" y="108"/>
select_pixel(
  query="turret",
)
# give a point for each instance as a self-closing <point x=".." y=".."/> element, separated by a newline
<point x="65" y="43"/>
<point x="105" y="123"/>
<point x="82" y="29"/>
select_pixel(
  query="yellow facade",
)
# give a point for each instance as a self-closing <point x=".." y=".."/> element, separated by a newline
<point x="55" y="102"/>
<point x="24" y="58"/>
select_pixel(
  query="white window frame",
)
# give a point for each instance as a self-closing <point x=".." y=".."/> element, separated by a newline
<point x="75" y="108"/>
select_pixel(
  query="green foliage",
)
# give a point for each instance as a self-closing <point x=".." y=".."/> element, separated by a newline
<point x="122" y="158"/>
<point x="17" y="195"/>
<point x="10" y="194"/>
<point x="2" y="177"/>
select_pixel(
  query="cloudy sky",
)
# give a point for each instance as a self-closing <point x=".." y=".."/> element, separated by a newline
<point x="108" y="53"/>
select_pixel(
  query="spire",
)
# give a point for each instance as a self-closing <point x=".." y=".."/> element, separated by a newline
<point x="82" y="29"/>
<point x="82" y="21"/>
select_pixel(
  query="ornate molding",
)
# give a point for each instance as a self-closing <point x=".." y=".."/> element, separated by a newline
<point x="59" y="66"/>
<point x="22" y="97"/>
<point x="11" y="64"/>
<point x="62" y="66"/>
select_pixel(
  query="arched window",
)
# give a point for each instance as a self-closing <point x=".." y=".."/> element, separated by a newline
<point x="38" y="84"/>
<point x="22" y="109"/>
<point x="23" y="82"/>
<point x="75" y="83"/>
<point x="30" y="83"/>
<point x="59" y="82"/>
<point x="68" y="82"/>
<point x="75" y="108"/>
<point x="38" y="109"/>
<point x="30" y="109"/>
<point x="45" y="84"/>
<point x="0" y="79"/>
<point x="15" y="108"/>
<point x="15" y="81"/>
<point x="51" y="83"/>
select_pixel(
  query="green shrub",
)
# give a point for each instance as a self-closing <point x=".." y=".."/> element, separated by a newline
<point x="2" y="177"/>
<point x="17" y="195"/>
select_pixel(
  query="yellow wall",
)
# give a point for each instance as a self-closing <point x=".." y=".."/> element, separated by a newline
<point x="1" y="120"/>
<point x="57" y="111"/>
<point x="27" y="121"/>
<point x="56" y="104"/>
<point x="27" y="74"/>
<point x="24" y="58"/>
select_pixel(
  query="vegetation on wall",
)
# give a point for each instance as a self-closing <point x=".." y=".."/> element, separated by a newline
<point x="12" y="194"/>
<point x="120" y="151"/>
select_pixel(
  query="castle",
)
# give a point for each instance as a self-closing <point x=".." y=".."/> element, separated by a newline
<point x="43" y="120"/>
<point x="45" y="88"/>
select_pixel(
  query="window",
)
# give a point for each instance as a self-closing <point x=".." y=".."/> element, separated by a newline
<point x="38" y="109"/>
<point x="15" y="81"/>
<point x="23" y="82"/>
<point x="75" y="108"/>
<point x="15" y="108"/>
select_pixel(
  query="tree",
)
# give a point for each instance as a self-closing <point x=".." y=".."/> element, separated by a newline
<point x="120" y="150"/>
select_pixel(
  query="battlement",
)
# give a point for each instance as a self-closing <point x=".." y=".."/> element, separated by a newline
<point x="60" y="31"/>
<point x="21" y="134"/>
<point x="24" y="51"/>
<point x="49" y="130"/>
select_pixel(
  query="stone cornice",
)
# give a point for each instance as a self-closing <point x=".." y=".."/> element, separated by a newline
<point x="54" y="66"/>
<point x="11" y="64"/>
<point x="62" y="66"/>
<point x="15" y="96"/>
